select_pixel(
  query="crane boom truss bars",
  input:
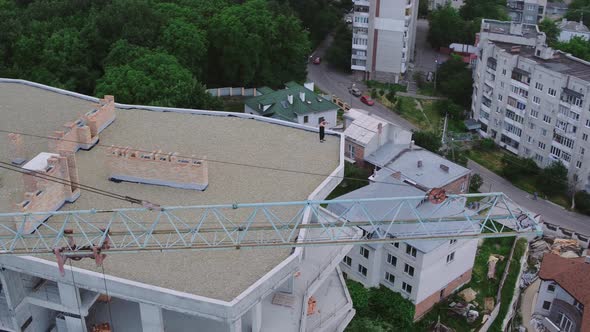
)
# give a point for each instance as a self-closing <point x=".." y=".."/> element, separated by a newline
<point x="261" y="225"/>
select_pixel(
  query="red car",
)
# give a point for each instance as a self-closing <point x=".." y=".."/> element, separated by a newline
<point x="367" y="100"/>
<point x="317" y="60"/>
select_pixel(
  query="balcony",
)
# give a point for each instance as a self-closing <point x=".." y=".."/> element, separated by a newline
<point x="519" y="84"/>
<point x="361" y="68"/>
<point x="364" y="3"/>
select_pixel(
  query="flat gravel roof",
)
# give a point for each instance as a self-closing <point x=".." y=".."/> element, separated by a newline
<point x="217" y="274"/>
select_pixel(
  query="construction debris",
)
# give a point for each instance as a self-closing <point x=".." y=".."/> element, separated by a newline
<point x="489" y="304"/>
<point x="440" y="327"/>
<point x="468" y="294"/>
<point x="492" y="261"/>
<point x="538" y="248"/>
<point x="472" y="316"/>
<point x="527" y="278"/>
<point x="569" y="254"/>
<point x="563" y="245"/>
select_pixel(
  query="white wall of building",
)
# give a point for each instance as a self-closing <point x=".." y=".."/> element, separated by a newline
<point x="566" y="35"/>
<point x="545" y="295"/>
<point x="313" y="119"/>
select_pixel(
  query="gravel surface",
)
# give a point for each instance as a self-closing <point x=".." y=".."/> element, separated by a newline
<point x="217" y="274"/>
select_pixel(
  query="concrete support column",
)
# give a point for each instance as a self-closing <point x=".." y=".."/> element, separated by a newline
<point x="257" y="317"/>
<point x="75" y="324"/>
<point x="152" y="319"/>
<point x="236" y="325"/>
<point x="69" y="297"/>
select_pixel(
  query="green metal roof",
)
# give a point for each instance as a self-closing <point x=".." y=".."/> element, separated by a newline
<point x="279" y="106"/>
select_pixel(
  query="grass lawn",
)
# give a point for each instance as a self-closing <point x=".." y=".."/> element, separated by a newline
<point x="348" y="184"/>
<point x="492" y="160"/>
<point x="479" y="282"/>
<point x="234" y="104"/>
<point x="428" y="119"/>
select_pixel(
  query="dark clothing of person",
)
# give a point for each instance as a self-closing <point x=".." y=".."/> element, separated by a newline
<point x="322" y="133"/>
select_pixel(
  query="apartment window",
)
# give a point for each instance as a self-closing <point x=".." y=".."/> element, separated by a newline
<point x="503" y="71"/>
<point x="409" y="270"/>
<point x="364" y="252"/>
<point x="588" y="123"/>
<point x="534" y="114"/>
<point x="530" y="140"/>
<point x="536" y="100"/>
<point x="452" y="241"/>
<point x="582" y="150"/>
<point x="546" y="119"/>
<point x="347" y="260"/>
<point x="551" y="288"/>
<point x="362" y="270"/>
<point x="546" y="305"/>
<point x="578" y="305"/>
<point x="563" y="140"/>
<point x="391" y="259"/>
<point x="351" y="151"/>
<point x="500" y="97"/>
<point x="305" y="119"/>
<point x="564" y="322"/>
<point x="579" y="164"/>
<point x="541" y="145"/>
<point x="396" y="244"/>
<point x="390" y="278"/>
<point x="585" y="137"/>
<point x="539" y="86"/>
<point x="407" y="288"/>
<point x="552" y="92"/>
<point x="410" y="250"/>
<point x="543" y="131"/>
<point x="538" y="158"/>
<point x="451" y="257"/>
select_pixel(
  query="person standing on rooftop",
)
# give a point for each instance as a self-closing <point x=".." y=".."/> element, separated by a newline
<point x="323" y="124"/>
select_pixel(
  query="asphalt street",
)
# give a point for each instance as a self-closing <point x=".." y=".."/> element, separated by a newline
<point x="334" y="82"/>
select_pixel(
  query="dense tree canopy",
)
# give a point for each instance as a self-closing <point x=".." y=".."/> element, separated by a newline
<point x="578" y="9"/>
<point x="550" y="29"/>
<point x="159" y="51"/>
<point x="339" y="53"/>
<point x="447" y="27"/>
<point x="455" y="81"/>
<point x="577" y="46"/>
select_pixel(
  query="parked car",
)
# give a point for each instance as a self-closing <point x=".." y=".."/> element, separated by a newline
<point x="317" y="60"/>
<point x="367" y="100"/>
<point x="355" y="92"/>
<point x="349" y="19"/>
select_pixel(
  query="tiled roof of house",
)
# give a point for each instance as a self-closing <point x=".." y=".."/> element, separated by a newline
<point x="278" y="106"/>
<point x="364" y="126"/>
<point x="572" y="275"/>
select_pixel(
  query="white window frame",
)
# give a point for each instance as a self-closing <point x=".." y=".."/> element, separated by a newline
<point x="360" y="270"/>
<point x="347" y="261"/>
<point x="364" y="252"/>
<point x="450" y="257"/>
<point x="409" y="270"/>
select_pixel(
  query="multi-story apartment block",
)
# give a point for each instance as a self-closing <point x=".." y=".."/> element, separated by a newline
<point x="526" y="11"/>
<point x="383" y="38"/>
<point x="533" y="101"/>
<point x="564" y="295"/>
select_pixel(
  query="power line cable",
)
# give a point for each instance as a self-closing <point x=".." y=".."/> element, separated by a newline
<point x="70" y="183"/>
<point x="216" y="161"/>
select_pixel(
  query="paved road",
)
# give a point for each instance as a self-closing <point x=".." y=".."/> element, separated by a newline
<point x="425" y="57"/>
<point x="334" y="82"/>
<point x="550" y="212"/>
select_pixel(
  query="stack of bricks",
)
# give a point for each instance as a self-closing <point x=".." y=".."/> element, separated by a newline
<point x="83" y="133"/>
<point x="45" y="195"/>
<point x="166" y="169"/>
<point x="16" y="149"/>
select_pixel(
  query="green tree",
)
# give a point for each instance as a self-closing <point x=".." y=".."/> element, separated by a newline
<point x="582" y="199"/>
<point x="252" y="46"/>
<point x="187" y="43"/>
<point x="577" y="9"/>
<point x="515" y="167"/>
<point x="360" y="297"/>
<point x="445" y="106"/>
<point x="577" y="46"/>
<point x="446" y="27"/>
<point x="553" y="179"/>
<point x="490" y="9"/>
<point x="339" y="53"/>
<point x="155" y="78"/>
<point x="454" y="81"/>
<point x="428" y="140"/>
<point x="550" y="29"/>
<point x="475" y="183"/>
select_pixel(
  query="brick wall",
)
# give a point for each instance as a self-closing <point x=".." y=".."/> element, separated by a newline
<point x="359" y="153"/>
<point x="167" y="169"/>
<point x="423" y="307"/>
<point x="83" y="133"/>
<point x="16" y="149"/>
<point x="455" y="186"/>
<point x="44" y="195"/>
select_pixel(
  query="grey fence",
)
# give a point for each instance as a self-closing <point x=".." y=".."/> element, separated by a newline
<point x="229" y="92"/>
<point x="562" y="232"/>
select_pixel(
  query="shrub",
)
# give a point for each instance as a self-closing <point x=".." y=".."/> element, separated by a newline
<point x="582" y="200"/>
<point x="373" y="93"/>
<point x="419" y="79"/>
<point x="391" y="96"/>
<point x="486" y="144"/>
<point x="475" y="183"/>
